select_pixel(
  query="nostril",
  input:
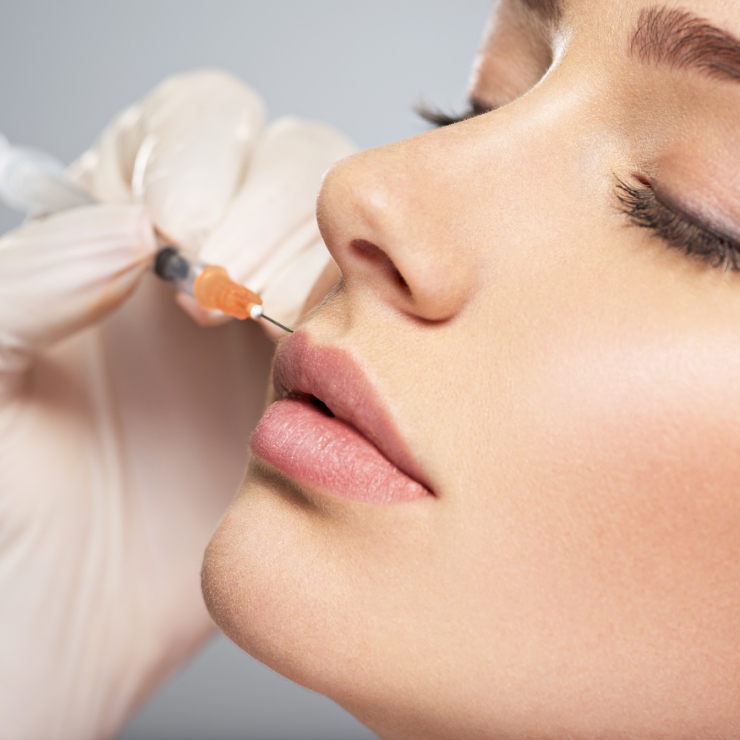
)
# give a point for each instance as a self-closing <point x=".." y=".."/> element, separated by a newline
<point x="373" y="253"/>
<point x="401" y="281"/>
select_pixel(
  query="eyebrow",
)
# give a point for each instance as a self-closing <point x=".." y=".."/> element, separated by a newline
<point x="550" y="10"/>
<point x="682" y="40"/>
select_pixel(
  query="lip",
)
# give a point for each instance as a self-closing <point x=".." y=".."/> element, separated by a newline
<point x="329" y="431"/>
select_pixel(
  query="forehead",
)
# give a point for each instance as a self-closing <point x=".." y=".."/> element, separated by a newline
<point x="559" y="8"/>
<point x="556" y="12"/>
<point x="523" y="37"/>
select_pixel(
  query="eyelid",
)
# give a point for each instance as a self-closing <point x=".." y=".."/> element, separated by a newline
<point x="669" y="202"/>
<point x="676" y="226"/>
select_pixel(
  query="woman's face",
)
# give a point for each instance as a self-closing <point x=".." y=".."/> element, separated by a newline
<point x="538" y="324"/>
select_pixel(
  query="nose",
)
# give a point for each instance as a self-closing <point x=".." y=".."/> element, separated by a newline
<point x="385" y="216"/>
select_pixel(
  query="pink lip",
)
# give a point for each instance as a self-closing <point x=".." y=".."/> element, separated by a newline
<point x="357" y="453"/>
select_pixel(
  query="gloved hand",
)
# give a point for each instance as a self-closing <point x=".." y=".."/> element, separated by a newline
<point x="123" y="434"/>
<point x="219" y="186"/>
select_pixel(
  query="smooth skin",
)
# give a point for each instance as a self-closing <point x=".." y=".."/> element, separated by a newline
<point x="568" y="383"/>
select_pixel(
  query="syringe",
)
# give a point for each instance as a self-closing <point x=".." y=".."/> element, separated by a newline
<point x="35" y="182"/>
<point x="210" y="285"/>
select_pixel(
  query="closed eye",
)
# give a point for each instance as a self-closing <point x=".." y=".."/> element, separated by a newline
<point x="676" y="228"/>
<point x="439" y="118"/>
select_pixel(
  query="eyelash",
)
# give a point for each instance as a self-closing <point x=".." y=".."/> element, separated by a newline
<point x="441" y="119"/>
<point x="679" y="231"/>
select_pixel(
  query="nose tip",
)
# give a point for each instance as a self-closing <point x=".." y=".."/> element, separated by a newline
<point x="385" y="217"/>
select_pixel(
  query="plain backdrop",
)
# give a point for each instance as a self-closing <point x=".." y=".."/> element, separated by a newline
<point x="66" y="68"/>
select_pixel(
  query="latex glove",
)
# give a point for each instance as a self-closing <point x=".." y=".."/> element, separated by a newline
<point x="248" y="205"/>
<point x="122" y="435"/>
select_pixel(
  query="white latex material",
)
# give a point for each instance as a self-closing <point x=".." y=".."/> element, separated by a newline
<point x="35" y="182"/>
<point x="123" y="433"/>
<point x="220" y="185"/>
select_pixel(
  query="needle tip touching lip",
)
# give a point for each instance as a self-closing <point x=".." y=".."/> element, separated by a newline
<point x="272" y="321"/>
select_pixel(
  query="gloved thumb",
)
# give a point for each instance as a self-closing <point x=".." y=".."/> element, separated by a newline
<point x="64" y="272"/>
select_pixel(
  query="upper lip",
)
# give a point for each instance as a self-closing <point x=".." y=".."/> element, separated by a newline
<point x="333" y="377"/>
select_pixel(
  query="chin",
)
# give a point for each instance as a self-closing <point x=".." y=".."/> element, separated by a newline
<point x="275" y="585"/>
<point x="255" y="589"/>
<point x="269" y="587"/>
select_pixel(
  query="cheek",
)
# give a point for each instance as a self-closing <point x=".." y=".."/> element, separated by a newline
<point x="637" y="444"/>
<point x="606" y="541"/>
<point x="655" y="416"/>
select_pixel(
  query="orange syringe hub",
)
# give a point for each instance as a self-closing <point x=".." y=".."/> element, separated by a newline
<point x="216" y="291"/>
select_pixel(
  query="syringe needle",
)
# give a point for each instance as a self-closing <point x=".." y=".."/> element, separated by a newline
<point x="277" y="323"/>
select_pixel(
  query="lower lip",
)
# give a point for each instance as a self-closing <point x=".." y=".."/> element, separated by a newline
<point x="321" y="452"/>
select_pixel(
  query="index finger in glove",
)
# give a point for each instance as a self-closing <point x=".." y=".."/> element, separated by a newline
<point x="269" y="239"/>
<point x="64" y="272"/>
<point x="183" y="151"/>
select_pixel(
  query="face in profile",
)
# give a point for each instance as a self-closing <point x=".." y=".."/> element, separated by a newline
<point x="499" y="492"/>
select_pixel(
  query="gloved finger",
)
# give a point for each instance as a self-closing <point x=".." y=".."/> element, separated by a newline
<point x="184" y="151"/>
<point x="66" y="271"/>
<point x="269" y="239"/>
<point x="201" y="316"/>
<point x="105" y="169"/>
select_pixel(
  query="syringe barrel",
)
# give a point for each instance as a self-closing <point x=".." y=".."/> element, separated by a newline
<point x="210" y="285"/>
<point x="173" y="267"/>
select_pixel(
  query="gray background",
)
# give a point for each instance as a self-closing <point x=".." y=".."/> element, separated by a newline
<point x="67" y="66"/>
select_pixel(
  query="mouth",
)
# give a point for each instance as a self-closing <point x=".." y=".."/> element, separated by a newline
<point x="329" y="432"/>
